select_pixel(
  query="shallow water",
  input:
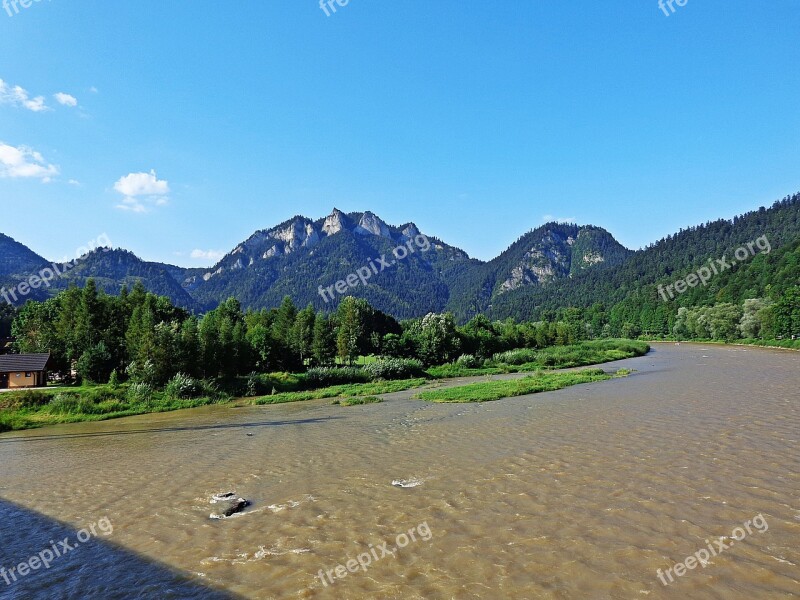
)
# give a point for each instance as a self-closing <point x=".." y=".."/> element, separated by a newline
<point x="581" y="493"/>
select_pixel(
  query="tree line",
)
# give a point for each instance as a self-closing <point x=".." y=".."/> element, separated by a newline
<point x="139" y="335"/>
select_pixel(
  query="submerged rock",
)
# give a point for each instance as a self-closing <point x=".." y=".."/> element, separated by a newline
<point x="407" y="483"/>
<point x="222" y="497"/>
<point x="230" y="503"/>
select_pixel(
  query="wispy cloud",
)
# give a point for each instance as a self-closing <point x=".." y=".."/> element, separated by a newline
<point x="142" y="191"/>
<point x="24" y="162"/>
<point x="65" y="99"/>
<point x="18" y="96"/>
<point x="207" y="255"/>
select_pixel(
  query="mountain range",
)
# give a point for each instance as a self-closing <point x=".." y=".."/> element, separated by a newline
<point x="554" y="265"/>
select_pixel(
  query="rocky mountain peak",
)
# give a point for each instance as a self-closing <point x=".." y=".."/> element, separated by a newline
<point x="334" y="223"/>
<point x="371" y="224"/>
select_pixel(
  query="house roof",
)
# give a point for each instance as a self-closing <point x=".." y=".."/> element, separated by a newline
<point x="11" y="363"/>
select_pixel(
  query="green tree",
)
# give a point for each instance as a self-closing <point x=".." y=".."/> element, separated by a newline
<point x="303" y="332"/>
<point x="787" y="313"/>
<point x="351" y="329"/>
<point x="324" y="344"/>
<point x="95" y="364"/>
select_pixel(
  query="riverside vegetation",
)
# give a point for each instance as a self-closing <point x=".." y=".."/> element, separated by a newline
<point x="167" y="359"/>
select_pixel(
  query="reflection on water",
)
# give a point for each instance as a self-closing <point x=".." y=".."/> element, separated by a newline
<point x="581" y="493"/>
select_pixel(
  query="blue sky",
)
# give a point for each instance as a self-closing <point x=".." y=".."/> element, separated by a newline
<point x="475" y="120"/>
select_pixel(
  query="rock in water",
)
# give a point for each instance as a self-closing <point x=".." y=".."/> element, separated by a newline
<point x="222" y="497"/>
<point x="231" y="505"/>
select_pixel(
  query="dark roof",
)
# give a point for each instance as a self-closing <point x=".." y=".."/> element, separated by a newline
<point x="10" y="363"/>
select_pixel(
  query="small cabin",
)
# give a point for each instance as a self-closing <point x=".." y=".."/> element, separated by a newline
<point x="23" y="370"/>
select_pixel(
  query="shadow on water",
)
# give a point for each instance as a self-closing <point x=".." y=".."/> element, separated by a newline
<point x="96" y="568"/>
<point x="71" y="436"/>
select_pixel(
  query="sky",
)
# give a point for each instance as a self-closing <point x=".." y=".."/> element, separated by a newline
<point x="177" y="129"/>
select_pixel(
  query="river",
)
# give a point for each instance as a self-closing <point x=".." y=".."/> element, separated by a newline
<point x="581" y="493"/>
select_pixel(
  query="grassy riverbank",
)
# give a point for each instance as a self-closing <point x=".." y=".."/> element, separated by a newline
<point x="36" y="408"/>
<point x="533" y="384"/>
<point x="778" y="344"/>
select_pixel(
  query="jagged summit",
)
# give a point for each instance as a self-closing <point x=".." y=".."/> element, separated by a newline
<point x="294" y="258"/>
<point x="303" y="234"/>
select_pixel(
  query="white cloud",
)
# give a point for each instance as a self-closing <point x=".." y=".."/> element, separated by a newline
<point x="142" y="184"/>
<point x="74" y="182"/>
<point x="24" y="162"/>
<point x="19" y="97"/>
<point x="132" y="205"/>
<point x="65" y="99"/>
<point x="141" y="191"/>
<point x="212" y="255"/>
<point x="551" y="218"/>
<point x="94" y="90"/>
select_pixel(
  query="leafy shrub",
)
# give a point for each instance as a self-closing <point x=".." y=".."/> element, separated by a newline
<point x="259" y="384"/>
<point x="325" y="376"/>
<point x="394" y="368"/>
<point x="63" y="404"/>
<point x="520" y="356"/>
<point x="184" y="387"/>
<point x="71" y="404"/>
<point x="140" y="393"/>
<point x="142" y="372"/>
<point x="114" y="380"/>
<point x="470" y="361"/>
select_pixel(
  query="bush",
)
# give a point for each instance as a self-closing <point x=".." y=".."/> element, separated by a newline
<point x="72" y="404"/>
<point x="140" y="393"/>
<point x="63" y="404"/>
<point x="470" y="361"/>
<point x="29" y="398"/>
<point x="520" y="356"/>
<point x="142" y="372"/>
<point x="114" y="380"/>
<point x="259" y="384"/>
<point x="326" y="376"/>
<point x="183" y="387"/>
<point x="394" y="368"/>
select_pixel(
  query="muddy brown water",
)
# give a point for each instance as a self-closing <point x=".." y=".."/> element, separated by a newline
<point x="580" y="493"/>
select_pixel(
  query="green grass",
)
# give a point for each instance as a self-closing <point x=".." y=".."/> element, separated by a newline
<point x="583" y="354"/>
<point x="358" y="401"/>
<point x="37" y="408"/>
<point x="496" y="390"/>
<point x="342" y="391"/>
<point x="452" y="370"/>
<point x="788" y="344"/>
